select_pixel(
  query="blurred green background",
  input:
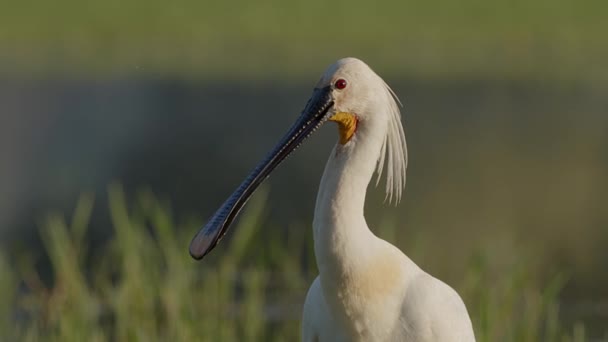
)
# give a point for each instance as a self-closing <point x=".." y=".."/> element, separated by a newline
<point x="506" y="117"/>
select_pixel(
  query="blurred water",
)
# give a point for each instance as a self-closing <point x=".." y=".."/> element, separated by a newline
<point x="486" y="158"/>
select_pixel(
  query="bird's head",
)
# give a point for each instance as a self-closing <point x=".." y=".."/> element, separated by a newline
<point x="364" y="107"/>
<point x="356" y="93"/>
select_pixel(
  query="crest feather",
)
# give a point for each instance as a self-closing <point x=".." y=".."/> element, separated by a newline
<point x="394" y="149"/>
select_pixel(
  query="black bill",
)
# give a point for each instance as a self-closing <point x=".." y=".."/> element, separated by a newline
<point x="312" y="117"/>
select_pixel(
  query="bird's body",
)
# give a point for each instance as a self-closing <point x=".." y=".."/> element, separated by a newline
<point x="367" y="289"/>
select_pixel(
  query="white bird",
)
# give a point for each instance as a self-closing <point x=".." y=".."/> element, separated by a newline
<point x="367" y="289"/>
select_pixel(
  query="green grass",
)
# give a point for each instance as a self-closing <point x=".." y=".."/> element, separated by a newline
<point x="142" y="284"/>
<point x="539" y="39"/>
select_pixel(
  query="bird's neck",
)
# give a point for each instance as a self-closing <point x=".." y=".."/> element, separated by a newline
<point x="341" y="236"/>
<point x="356" y="269"/>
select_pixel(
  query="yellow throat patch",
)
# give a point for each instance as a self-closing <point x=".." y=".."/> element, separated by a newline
<point x="347" y="125"/>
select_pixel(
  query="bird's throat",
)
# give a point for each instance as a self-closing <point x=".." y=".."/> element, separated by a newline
<point x="347" y="125"/>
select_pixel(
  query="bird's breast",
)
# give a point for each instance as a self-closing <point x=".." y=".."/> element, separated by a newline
<point x="365" y="294"/>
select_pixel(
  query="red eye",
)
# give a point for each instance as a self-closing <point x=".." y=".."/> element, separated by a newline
<point x="340" y="83"/>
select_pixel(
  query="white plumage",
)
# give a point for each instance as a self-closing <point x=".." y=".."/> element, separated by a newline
<point x="367" y="289"/>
